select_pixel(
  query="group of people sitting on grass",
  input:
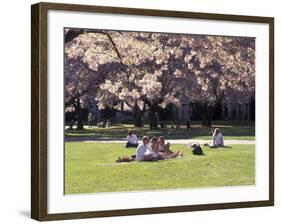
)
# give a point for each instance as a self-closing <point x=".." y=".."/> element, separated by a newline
<point x="157" y="149"/>
<point x="149" y="150"/>
<point x="132" y="140"/>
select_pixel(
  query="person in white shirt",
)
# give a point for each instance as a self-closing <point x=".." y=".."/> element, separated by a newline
<point x="143" y="152"/>
<point x="217" y="138"/>
<point x="132" y="140"/>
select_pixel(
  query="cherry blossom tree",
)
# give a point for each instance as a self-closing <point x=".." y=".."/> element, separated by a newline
<point x="137" y="72"/>
<point x="155" y="74"/>
<point x="224" y="68"/>
<point x="144" y="77"/>
<point x="79" y="87"/>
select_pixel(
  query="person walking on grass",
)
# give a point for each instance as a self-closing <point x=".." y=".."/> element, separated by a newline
<point x="132" y="140"/>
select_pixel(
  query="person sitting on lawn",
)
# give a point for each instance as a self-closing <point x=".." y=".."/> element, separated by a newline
<point x="164" y="151"/>
<point x="154" y="148"/>
<point x="132" y="140"/>
<point x="143" y="152"/>
<point x="217" y="138"/>
<point x="154" y="145"/>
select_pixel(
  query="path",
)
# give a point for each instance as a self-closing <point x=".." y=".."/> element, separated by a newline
<point x="187" y="141"/>
<point x="172" y="141"/>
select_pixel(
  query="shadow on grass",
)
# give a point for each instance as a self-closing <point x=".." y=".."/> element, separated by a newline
<point x="231" y="130"/>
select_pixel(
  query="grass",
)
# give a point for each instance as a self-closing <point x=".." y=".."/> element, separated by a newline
<point x="90" y="167"/>
<point x="242" y="130"/>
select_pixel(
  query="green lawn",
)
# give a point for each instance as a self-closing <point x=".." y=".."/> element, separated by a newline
<point x="240" y="130"/>
<point x="91" y="167"/>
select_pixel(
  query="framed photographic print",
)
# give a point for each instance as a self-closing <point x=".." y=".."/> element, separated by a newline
<point x="139" y="111"/>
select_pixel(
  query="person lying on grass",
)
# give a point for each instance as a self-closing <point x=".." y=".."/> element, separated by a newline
<point x="164" y="151"/>
<point x="132" y="140"/>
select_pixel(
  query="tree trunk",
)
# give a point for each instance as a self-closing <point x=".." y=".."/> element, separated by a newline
<point x="207" y="115"/>
<point x="153" y="123"/>
<point x="138" y="116"/>
<point x="138" y="121"/>
<point x="79" y="116"/>
<point x="208" y="111"/>
<point x="207" y="122"/>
